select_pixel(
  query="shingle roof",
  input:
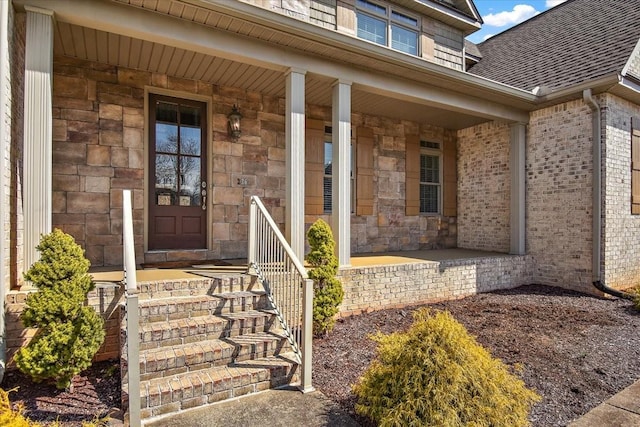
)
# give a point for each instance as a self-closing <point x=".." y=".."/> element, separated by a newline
<point x="576" y="41"/>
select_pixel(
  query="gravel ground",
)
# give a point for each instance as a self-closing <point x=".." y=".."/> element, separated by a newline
<point x="576" y="350"/>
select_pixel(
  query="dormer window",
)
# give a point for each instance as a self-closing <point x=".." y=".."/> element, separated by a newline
<point x="387" y="26"/>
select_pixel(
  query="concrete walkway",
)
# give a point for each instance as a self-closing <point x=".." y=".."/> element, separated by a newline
<point x="621" y="410"/>
<point x="289" y="408"/>
<point x="271" y="408"/>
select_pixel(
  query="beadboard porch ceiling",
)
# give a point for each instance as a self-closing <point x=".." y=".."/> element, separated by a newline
<point x="113" y="49"/>
<point x="118" y="32"/>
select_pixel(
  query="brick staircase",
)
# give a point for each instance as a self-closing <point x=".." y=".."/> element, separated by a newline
<point x="207" y="340"/>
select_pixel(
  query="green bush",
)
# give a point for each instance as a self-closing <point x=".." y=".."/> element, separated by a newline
<point x="327" y="288"/>
<point x="69" y="332"/>
<point x="436" y="374"/>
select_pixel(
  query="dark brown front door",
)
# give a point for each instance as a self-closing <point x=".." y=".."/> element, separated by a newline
<point x="177" y="164"/>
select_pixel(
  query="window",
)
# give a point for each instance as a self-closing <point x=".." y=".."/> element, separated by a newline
<point x="387" y="26"/>
<point x="327" y="180"/>
<point x="430" y="177"/>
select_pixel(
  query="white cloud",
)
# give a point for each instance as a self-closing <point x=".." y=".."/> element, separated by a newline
<point x="487" y="36"/>
<point x="552" y="3"/>
<point x="520" y="12"/>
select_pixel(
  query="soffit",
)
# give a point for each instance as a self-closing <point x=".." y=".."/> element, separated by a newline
<point x="298" y="36"/>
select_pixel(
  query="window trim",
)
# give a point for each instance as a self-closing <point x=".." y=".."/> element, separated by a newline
<point x="439" y="153"/>
<point x="390" y="22"/>
<point x="328" y="139"/>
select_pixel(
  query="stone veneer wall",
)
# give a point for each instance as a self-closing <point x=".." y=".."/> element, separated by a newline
<point x="484" y="185"/>
<point x="559" y="168"/>
<point x="378" y="287"/>
<point x="389" y="229"/>
<point x="621" y="239"/>
<point x="98" y="148"/>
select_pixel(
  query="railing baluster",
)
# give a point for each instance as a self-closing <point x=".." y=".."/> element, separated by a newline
<point x="285" y="280"/>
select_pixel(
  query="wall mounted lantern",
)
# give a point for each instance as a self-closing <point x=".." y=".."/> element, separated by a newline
<point x="234" y="123"/>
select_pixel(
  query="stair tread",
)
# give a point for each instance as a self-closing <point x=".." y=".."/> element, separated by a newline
<point x="199" y="298"/>
<point x="263" y="363"/>
<point x="231" y="342"/>
<point x="200" y="320"/>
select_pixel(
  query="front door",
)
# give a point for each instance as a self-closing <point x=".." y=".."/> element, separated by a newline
<point x="177" y="178"/>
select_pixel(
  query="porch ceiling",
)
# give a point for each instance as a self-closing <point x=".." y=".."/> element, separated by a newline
<point x="95" y="45"/>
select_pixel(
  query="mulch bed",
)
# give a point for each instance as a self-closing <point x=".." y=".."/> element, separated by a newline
<point x="576" y="350"/>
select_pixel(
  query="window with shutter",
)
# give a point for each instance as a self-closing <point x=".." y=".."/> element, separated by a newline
<point x="314" y="168"/>
<point x="635" y="165"/>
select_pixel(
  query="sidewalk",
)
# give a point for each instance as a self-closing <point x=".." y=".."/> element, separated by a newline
<point x="272" y="408"/>
<point x="621" y="410"/>
<point x="290" y="408"/>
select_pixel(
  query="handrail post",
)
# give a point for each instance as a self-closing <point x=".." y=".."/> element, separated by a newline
<point x="253" y="217"/>
<point x="307" y="346"/>
<point x="133" y="338"/>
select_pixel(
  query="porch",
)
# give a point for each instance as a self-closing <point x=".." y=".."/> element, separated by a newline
<point x="373" y="281"/>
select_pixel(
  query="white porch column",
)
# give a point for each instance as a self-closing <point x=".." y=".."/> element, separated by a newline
<point x="341" y="171"/>
<point x="37" y="130"/>
<point x="295" y="141"/>
<point x="518" y="188"/>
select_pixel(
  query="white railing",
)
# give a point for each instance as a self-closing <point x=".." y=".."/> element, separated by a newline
<point x="285" y="280"/>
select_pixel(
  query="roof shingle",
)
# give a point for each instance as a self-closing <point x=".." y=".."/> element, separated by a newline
<point x="576" y="41"/>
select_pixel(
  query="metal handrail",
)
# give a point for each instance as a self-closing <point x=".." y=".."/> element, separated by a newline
<point x="289" y="290"/>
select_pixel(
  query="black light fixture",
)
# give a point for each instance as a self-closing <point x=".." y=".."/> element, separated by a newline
<point x="234" y="123"/>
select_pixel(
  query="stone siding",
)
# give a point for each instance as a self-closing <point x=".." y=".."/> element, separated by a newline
<point x="105" y="299"/>
<point x="378" y="287"/>
<point x="484" y="186"/>
<point x="621" y="239"/>
<point x="389" y="229"/>
<point x="559" y="167"/>
<point x="99" y="150"/>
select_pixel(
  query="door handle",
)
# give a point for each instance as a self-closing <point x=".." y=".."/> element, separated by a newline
<point x="204" y="195"/>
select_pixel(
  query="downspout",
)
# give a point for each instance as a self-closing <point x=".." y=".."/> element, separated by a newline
<point x="597" y="199"/>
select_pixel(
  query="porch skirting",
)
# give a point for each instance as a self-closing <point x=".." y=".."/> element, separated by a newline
<point x="373" y="288"/>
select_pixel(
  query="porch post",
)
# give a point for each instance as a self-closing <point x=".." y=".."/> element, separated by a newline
<point x="295" y="140"/>
<point x="37" y="192"/>
<point x="518" y="188"/>
<point x="341" y="171"/>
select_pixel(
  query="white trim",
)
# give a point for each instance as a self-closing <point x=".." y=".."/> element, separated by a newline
<point x="627" y="65"/>
<point x="434" y="152"/>
<point x="295" y="160"/>
<point x="341" y="170"/>
<point x="5" y="143"/>
<point x="148" y="90"/>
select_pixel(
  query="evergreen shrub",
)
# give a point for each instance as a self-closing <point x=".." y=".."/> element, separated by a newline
<point x="10" y="417"/>
<point x="327" y="288"/>
<point x="69" y="332"/>
<point x="436" y="374"/>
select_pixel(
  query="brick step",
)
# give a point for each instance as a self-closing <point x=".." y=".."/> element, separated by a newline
<point x="209" y="283"/>
<point x="167" y="361"/>
<point x="203" y="328"/>
<point x="166" y="309"/>
<point x="160" y="396"/>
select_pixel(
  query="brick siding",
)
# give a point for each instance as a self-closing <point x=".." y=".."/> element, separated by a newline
<point x="621" y="239"/>
<point x="484" y="185"/>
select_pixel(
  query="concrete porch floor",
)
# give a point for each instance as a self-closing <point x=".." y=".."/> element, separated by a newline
<point x="115" y="274"/>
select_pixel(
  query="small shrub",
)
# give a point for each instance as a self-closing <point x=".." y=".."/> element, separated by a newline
<point x="436" y="374"/>
<point x="69" y="333"/>
<point x="327" y="288"/>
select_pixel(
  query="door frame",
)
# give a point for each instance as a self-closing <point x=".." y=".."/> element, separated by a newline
<point x="208" y="100"/>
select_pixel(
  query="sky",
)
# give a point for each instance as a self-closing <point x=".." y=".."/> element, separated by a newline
<point x="499" y="15"/>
